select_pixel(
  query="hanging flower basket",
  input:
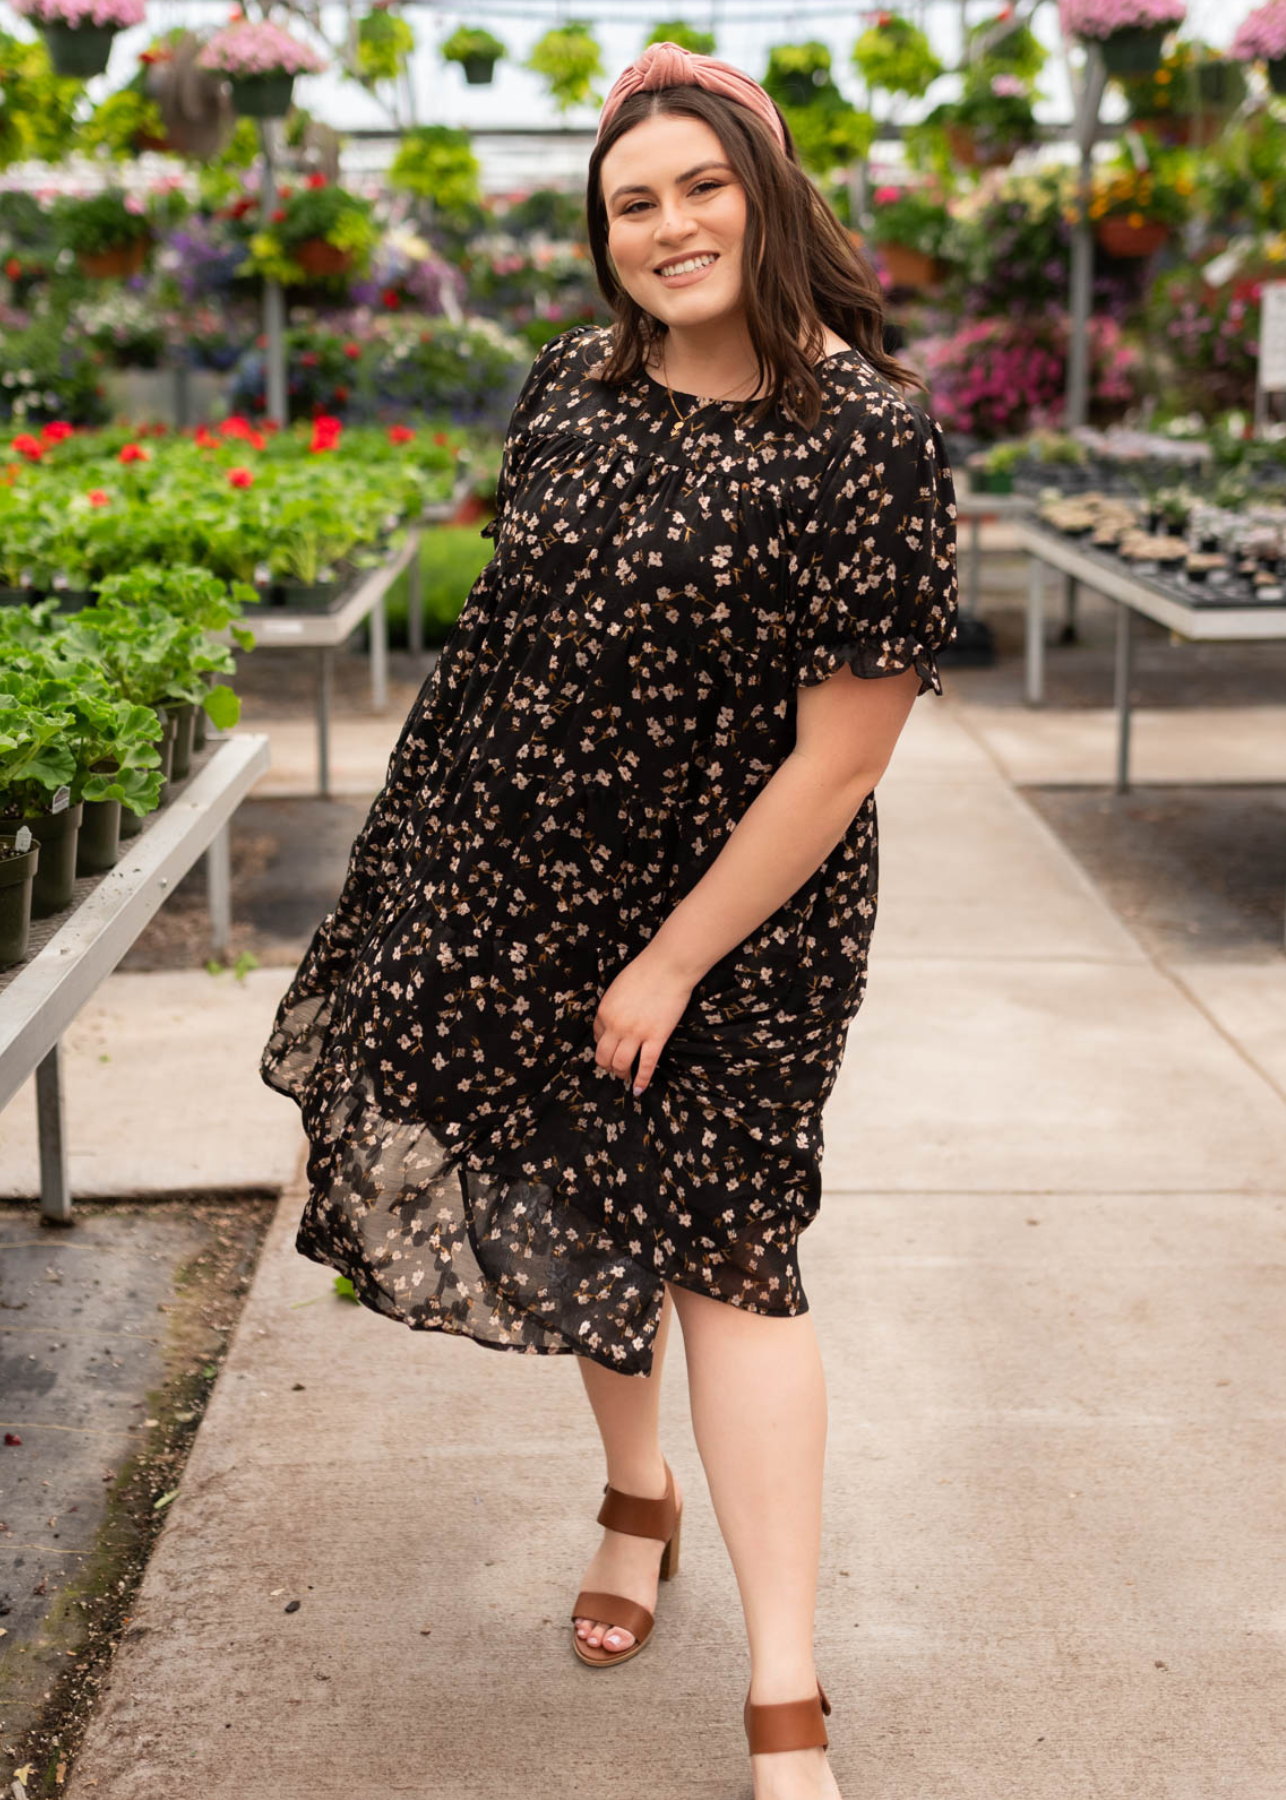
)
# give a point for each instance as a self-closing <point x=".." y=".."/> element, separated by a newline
<point x="972" y="151"/>
<point x="1261" y="37"/>
<point x="910" y="268"/>
<point x="1277" y="74"/>
<point x="1137" y="50"/>
<point x="318" y="258"/>
<point x="1119" y="237"/>
<point x="260" y="61"/>
<point x="478" y="70"/>
<point x="262" y="96"/>
<point x="78" y="33"/>
<point x="120" y="262"/>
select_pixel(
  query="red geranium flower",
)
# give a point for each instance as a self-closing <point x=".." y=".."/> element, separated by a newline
<point x="279" y="215"/>
<point x="439" y="437"/>
<point x="352" y="351"/>
<point x="56" y="430"/>
<point x="401" y="434"/>
<point x="317" y="181"/>
<point x="310" y="359"/>
<point x="241" y="477"/>
<point x="206" y="439"/>
<point x="326" y="432"/>
<point x="391" y="299"/>
<point x="134" y="453"/>
<point x="99" y="497"/>
<point x="27" y="446"/>
<point x="341" y="394"/>
<point x="13" y="268"/>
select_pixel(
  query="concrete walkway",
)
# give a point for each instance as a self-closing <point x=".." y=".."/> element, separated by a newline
<point x="1048" y="1278"/>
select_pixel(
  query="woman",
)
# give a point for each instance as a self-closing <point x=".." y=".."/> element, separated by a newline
<point x="562" y="1047"/>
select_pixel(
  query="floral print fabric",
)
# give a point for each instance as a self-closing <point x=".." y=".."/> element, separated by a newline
<point x="618" y="687"/>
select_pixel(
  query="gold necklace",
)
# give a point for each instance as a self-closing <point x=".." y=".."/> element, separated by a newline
<point x="684" y="417"/>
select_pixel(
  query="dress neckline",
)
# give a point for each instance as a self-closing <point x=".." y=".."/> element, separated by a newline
<point x="679" y="394"/>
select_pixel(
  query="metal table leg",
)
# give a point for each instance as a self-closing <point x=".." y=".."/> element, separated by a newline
<point x="1035" y="641"/>
<point x="324" y="661"/>
<point x="1124" y="648"/>
<point x="415" y="603"/>
<point x="218" y="881"/>
<point x="55" y="1184"/>
<point x="379" y="656"/>
<point x="1071" y="593"/>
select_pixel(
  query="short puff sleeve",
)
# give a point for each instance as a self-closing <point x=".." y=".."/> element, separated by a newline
<point x="874" y="582"/>
<point x="546" y="360"/>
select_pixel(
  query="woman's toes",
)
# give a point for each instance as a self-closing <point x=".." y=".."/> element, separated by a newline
<point x="617" y="1639"/>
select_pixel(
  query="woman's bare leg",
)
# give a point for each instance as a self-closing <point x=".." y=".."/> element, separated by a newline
<point x="759" y="1415"/>
<point x="627" y="1408"/>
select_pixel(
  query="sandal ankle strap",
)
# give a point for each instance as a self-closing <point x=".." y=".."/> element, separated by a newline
<point x="787" y="1724"/>
<point x="638" y="1517"/>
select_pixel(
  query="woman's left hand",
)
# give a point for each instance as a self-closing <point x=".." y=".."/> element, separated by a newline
<point x="636" y="1016"/>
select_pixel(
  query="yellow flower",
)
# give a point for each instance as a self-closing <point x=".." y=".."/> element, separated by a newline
<point x="1184" y="184"/>
<point x="1097" y="210"/>
<point x="1163" y="75"/>
<point x="1135" y="219"/>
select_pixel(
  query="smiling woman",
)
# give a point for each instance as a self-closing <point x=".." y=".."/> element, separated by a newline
<point x="562" y="1047"/>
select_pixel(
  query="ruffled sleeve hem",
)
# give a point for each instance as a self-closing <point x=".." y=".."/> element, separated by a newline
<point x="871" y="658"/>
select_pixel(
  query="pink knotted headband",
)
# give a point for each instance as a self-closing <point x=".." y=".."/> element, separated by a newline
<point x="670" y="65"/>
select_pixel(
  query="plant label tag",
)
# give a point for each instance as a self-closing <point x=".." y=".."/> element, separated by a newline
<point x="22" y="839"/>
<point x="1221" y="269"/>
<point x="61" y="800"/>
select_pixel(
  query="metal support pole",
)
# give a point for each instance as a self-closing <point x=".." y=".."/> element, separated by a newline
<point x="273" y="307"/>
<point x="51" y="1134"/>
<point x="1071" y="593"/>
<point x="975" y="562"/>
<point x="379" y="656"/>
<point x="324" y="661"/>
<point x="1124" y="647"/>
<point x="1088" y="99"/>
<point x="1035" y="643"/>
<point x="218" y="880"/>
<point x="415" y="604"/>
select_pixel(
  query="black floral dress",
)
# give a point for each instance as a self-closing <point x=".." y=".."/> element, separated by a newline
<point x="618" y="687"/>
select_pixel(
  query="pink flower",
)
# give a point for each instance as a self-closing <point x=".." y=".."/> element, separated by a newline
<point x="117" y="13"/>
<point x="259" y="48"/>
<point x="1100" y="18"/>
<point x="1262" y="34"/>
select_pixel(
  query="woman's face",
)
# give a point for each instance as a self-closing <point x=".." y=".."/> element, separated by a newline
<point x="671" y="196"/>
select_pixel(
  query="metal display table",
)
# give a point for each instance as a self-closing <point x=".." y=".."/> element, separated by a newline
<point x="1218" y="621"/>
<point x="74" y="951"/>
<point x="971" y="509"/>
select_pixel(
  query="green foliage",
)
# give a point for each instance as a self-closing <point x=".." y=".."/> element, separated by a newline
<point x="916" y="216"/>
<point x="469" y="43"/>
<point x="1016" y="51"/>
<point x="570" y="60"/>
<point x="437" y="163"/>
<point x="895" y="56"/>
<point x="1239" y="179"/>
<point x="38" y="110"/>
<point x="546" y="212"/>
<point x="828" y="131"/>
<point x="384" y="43"/>
<point x="35" y="759"/>
<point x="687" y="37"/>
<point x="99" y="222"/>
<point x="317" y="210"/>
<point x="48" y="372"/>
<point x="451" y="559"/>
<point x="119" y="120"/>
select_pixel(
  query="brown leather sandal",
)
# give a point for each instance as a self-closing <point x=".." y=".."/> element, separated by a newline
<point x="787" y="1725"/>
<point x="636" y="1517"/>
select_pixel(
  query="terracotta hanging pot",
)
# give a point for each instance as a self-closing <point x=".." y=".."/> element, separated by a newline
<point x="121" y="260"/>
<point x="1119" y="238"/>
<point x="909" y="267"/>
<point x="317" y="258"/>
<point x="973" y="153"/>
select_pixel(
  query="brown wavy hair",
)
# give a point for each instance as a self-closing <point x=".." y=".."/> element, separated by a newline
<point x="809" y="272"/>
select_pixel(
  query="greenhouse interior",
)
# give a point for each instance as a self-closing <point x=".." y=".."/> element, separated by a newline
<point x="272" y="282"/>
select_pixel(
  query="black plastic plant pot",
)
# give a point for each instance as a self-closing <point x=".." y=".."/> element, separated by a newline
<point x="74" y="600"/>
<point x="183" y="712"/>
<point x="131" y="823"/>
<point x="309" y="596"/>
<point x="57" y="834"/>
<point x="17" y="873"/>
<point x="16" y="596"/>
<point x="1134" y="50"/>
<point x="478" y="70"/>
<point x="262" y="96"/>
<point x="165" y="749"/>
<point x="98" y="846"/>
<point x="1277" y="74"/>
<point x="78" y="50"/>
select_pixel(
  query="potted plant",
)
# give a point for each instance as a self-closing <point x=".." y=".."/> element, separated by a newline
<point x="796" y="72"/>
<point x="894" y="55"/>
<point x="477" y="52"/>
<point x="78" y="33"/>
<point x="110" y="232"/>
<point x="1261" y="37"/>
<point x="320" y="232"/>
<point x="908" y="225"/>
<point x="992" y="471"/>
<point x="1133" y="211"/>
<point x="992" y="120"/>
<point x="36" y="770"/>
<point x="570" y="60"/>
<point x="19" y="861"/>
<point x="1129" y="33"/>
<point x="261" y="61"/>
<point x="1187" y="99"/>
